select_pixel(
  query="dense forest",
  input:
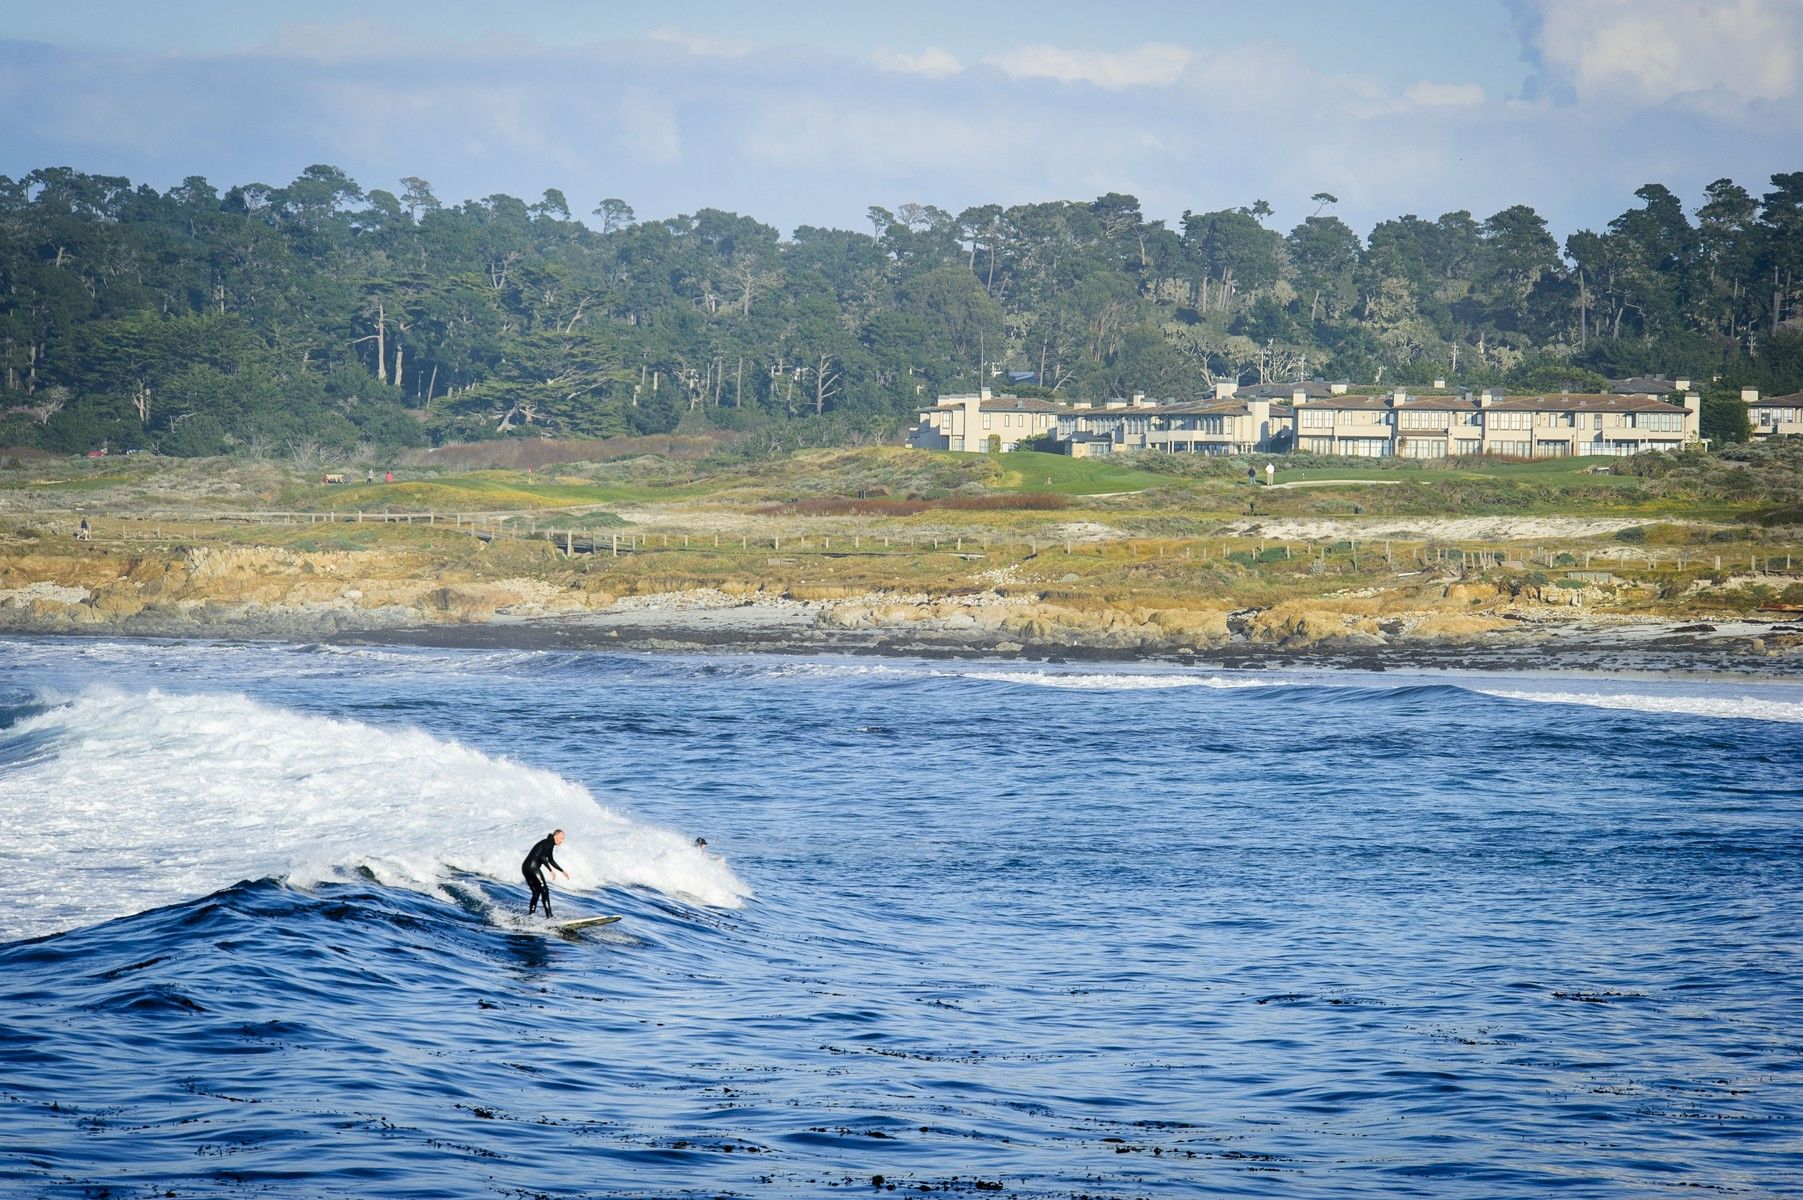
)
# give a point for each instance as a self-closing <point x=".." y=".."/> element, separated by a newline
<point x="193" y="321"/>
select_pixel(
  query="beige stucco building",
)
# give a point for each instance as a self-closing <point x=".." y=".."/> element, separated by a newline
<point x="1559" y="426"/>
<point x="1774" y="416"/>
<point x="980" y="421"/>
<point x="1332" y="421"/>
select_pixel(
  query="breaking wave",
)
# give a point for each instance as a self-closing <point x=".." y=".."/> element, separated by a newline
<point x="113" y="802"/>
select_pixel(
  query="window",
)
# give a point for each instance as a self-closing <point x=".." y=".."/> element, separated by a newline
<point x="1599" y="420"/>
<point x="986" y="420"/>
<point x="1514" y="449"/>
<point x="1468" y="446"/>
<point x="1424" y="448"/>
<point x="1316" y="417"/>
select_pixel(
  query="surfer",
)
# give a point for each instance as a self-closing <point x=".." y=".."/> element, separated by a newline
<point x="537" y="859"/>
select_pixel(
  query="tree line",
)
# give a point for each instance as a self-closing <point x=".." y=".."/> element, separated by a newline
<point x="192" y="321"/>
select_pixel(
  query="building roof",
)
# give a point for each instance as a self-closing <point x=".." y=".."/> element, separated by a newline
<point x="1583" y="403"/>
<point x="1557" y="403"/>
<point x="1793" y="398"/>
<point x="993" y="404"/>
<point x="1021" y="404"/>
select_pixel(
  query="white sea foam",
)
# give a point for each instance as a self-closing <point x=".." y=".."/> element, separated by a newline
<point x="1092" y="680"/>
<point x="1732" y="707"/>
<point x="139" y="799"/>
<point x="1111" y="681"/>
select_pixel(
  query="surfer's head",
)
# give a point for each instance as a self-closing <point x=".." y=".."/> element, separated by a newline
<point x="701" y="843"/>
<point x="557" y="837"/>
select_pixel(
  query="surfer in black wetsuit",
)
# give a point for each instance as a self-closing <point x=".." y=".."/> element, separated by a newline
<point x="537" y="859"/>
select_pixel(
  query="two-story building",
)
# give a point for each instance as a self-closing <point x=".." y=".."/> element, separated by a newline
<point x="1492" y="423"/>
<point x="1224" y="425"/>
<point x="1774" y="416"/>
<point x="1332" y="420"/>
<point x="981" y="421"/>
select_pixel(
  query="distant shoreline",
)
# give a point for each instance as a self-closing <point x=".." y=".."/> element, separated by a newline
<point x="1586" y="647"/>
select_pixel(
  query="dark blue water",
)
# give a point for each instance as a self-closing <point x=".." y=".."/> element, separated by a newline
<point x="1047" y="932"/>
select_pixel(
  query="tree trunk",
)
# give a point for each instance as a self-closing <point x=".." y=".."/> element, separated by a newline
<point x="433" y="384"/>
<point x="738" y="384"/>
<point x="399" y="357"/>
<point x="381" y="343"/>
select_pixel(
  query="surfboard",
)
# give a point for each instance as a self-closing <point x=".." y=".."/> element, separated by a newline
<point x="583" y="923"/>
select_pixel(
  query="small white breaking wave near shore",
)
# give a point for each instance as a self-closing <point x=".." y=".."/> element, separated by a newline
<point x="124" y="801"/>
<point x="1110" y="681"/>
<point x="1735" y="707"/>
<point x="1099" y="680"/>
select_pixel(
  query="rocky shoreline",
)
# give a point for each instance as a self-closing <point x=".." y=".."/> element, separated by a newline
<point x="1737" y="649"/>
<point x="1427" y="622"/>
<point x="690" y="624"/>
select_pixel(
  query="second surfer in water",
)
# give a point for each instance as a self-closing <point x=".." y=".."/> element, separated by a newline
<point x="537" y="859"/>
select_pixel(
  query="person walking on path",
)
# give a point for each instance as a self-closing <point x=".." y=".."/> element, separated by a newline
<point x="537" y="859"/>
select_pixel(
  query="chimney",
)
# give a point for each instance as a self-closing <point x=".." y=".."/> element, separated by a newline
<point x="983" y="392"/>
<point x="1338" y="388"/>
<point x="1080" y="404"/>
<point x="1693" y="404"/>
<point x="1299" y="395"/>
<point x="1225" y="389"/>
<point x="1116" y="402"/>
<point x="1488" y="396"/>
<point x="1682" y="385"/>
<point x="1749" y="395"/>
<point x="1399" y="396"/>
<point x="1260" y="411"/>
<point x="1439" y="385"/>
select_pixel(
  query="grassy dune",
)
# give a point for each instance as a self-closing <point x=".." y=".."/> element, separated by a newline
<point x="1122" y="548"/>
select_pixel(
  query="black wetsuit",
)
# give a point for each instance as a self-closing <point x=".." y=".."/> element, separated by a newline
<point x="537" y="859"/>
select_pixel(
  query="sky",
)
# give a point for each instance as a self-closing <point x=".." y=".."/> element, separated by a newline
<point x="810" y="112"/>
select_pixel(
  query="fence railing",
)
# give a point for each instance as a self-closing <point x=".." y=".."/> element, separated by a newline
<point x="1322" y="555"/>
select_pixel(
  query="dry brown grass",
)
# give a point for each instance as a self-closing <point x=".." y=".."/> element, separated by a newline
<point x="518" y="454"/>
<point x="882" y="506"/>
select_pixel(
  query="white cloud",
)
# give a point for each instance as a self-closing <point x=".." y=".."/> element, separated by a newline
<point x="1427" y="94"/>
<point x="933" y="62"/>
<point x="359" y="40"/>
<point x="885" y="142"/>
<point x="1720" y="55"/>
<point x="700" y="44"/>
<point x="1155" y="64"/>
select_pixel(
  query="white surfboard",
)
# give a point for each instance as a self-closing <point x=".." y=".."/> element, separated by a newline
<point x="582" y="923"/>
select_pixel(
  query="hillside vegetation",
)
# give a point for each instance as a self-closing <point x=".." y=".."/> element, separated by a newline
<point x="317" y="314"/>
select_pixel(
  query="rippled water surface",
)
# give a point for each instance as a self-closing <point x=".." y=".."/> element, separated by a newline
<point x="1053" y="931"/>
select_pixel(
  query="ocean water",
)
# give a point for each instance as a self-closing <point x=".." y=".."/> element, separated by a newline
<point x="1047" y="931"/>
